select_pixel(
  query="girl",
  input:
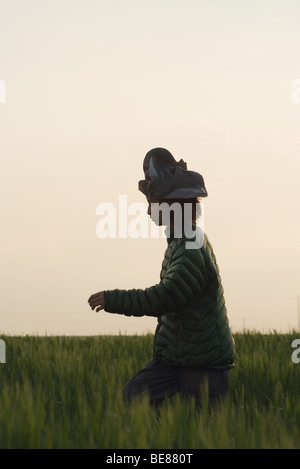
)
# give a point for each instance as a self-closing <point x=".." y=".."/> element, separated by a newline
<point x="193" y="343"/>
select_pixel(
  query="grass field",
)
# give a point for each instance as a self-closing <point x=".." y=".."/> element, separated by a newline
<point x="65" y="392"/>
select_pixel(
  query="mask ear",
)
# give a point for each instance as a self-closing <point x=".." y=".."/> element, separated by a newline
<point x="182" y="164"/>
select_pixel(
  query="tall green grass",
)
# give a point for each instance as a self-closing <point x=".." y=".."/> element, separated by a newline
<point x="65" y="392"/>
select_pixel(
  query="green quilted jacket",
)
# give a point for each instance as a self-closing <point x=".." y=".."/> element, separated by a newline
<point x="193" y="328"/>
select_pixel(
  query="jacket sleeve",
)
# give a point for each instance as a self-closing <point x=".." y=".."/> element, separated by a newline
<point x="184" y="279"/>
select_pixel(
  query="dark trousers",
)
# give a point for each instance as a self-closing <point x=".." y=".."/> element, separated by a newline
<point x="160" y="381"/>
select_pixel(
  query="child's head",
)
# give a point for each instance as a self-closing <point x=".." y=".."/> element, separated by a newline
<point x="169" y="180"/>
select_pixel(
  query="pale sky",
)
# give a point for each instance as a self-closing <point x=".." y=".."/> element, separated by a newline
<point x="90" y="87"/>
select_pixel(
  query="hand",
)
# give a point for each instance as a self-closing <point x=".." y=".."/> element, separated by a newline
<point x="97" y="301"/>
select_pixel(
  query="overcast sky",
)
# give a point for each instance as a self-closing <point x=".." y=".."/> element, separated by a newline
<point x="90" y="87"/>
